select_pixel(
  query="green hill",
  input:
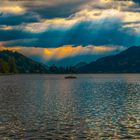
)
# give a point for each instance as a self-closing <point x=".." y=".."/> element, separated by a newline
<point x="14" y="62"/>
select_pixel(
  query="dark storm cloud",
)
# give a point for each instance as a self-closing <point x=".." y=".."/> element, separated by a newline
<point x="105" y="32"/>
<point x="9" y="35"/>
<point x="87" y="33"/>
<point x="137" y="1"/>
<point x="62" y="9"/>
<point x="109" y="31"/>
<point x="52" y="9"/>
<point x="37" y="10"/>
<point x="13" y="19"/>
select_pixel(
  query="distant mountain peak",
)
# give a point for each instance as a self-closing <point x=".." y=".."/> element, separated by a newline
<point x="128" y="61"/>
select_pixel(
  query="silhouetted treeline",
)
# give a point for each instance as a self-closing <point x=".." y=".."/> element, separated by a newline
<point x="9" y="66"/>
<point x="61" y="70"/>
<point x="14" y="62"/>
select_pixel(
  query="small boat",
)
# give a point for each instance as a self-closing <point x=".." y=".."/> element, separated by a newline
<point x="70" y="77"/>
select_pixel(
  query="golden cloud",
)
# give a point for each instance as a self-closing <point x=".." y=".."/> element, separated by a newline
<point x="61" y="52"/>
<point x="12" y="9"/>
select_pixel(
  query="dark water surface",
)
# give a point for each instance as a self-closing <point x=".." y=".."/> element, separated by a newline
<point x="91" y="107"/>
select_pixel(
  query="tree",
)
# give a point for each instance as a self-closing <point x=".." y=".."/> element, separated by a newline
<point x="4" y="68"/>
<point x="12" y="65"/>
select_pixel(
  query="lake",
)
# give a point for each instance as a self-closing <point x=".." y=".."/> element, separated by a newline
<point x="91" y="107"/>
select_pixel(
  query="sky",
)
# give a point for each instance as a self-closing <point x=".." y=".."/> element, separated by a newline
<point x="65" y="32"/>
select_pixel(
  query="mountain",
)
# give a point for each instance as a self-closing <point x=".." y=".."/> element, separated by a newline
<point x="79" y="65"/>
<point x="14" y="62"/>
<point x="127" y="61"/>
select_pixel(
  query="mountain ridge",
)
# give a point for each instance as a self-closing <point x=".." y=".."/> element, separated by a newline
<point x="20" y="63"/>
<point x="15" y="62"/>
<point x="127" y="61"/>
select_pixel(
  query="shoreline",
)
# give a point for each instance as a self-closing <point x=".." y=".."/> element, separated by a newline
<point x="67" y="74"/>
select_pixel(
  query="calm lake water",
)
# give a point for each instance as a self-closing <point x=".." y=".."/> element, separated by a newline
<point x="91" y="107"/>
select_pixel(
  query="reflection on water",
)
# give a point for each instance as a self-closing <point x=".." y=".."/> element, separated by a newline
<point x="39" y="107"/>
